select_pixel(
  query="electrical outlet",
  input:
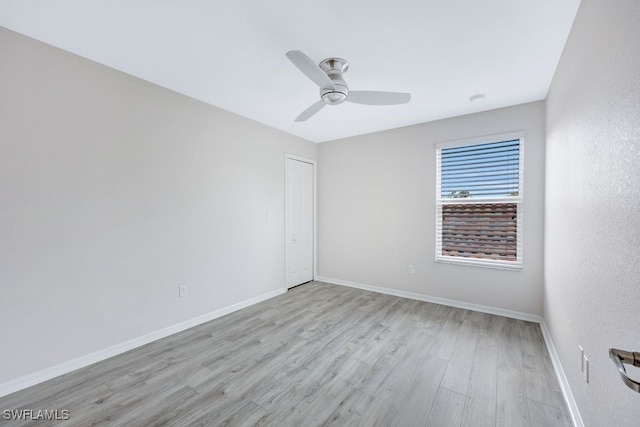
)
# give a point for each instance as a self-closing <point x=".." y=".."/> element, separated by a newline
<point x="411" y="269"/>
<point x="182" y="291"/>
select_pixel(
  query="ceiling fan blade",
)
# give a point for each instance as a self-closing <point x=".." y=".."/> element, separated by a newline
<point x="310" y="69"/>
<point x="310" y="111"/>
<point x="372" y="97"/>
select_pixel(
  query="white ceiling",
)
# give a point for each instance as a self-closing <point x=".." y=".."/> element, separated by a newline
<point x="231" y="54"/>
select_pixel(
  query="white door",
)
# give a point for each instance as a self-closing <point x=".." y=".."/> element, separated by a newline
<point x="299" y="221"/>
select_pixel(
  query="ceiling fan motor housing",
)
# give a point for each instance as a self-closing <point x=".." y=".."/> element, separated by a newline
<point x="335" y="67"/>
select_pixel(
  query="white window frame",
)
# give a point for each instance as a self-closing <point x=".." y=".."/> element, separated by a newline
<point x="440" y="202"/>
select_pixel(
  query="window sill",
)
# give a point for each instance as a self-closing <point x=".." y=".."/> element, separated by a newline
<point x="486" y="263"/>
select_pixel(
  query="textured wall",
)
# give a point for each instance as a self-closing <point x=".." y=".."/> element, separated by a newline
<point x="112" y="192"/>
<point x="592" y="216"/>
<point x="377" y="211"/>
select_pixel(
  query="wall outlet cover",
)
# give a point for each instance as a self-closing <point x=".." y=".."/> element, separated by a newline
<point x="182" y="291"/>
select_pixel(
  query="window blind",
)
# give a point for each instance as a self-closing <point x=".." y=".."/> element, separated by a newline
<point x="484" y="170"/>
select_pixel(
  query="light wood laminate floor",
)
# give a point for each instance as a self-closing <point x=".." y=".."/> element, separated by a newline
<point x="321" y="355"/>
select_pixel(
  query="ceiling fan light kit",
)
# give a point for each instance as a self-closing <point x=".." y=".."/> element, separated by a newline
<point x="333" y="88"/>
<point x="334" y="68"/>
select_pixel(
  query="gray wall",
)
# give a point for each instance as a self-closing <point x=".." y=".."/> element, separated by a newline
<point x="377" y="212"/>
<point x="592" y="235"/>
<point x="112" y="192"/>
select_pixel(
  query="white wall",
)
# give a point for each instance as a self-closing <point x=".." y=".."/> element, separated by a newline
<point x="377" y="212"/>
<point x="112" y="192"/>
<point x="592" y="235"/>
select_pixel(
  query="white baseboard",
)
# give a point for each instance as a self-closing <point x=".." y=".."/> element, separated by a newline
<point x="86" y="360"/>
<point x="553" y="354"/>
<point x="562" y="378"/>
<point x="436" y="300"/>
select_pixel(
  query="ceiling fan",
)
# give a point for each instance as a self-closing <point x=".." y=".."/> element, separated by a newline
<point x="333" y="89"/>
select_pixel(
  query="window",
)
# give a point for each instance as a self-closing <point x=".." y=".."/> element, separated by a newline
<point x="479" y="201"/>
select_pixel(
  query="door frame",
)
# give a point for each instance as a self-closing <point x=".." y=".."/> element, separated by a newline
<point x="314" y="163"/>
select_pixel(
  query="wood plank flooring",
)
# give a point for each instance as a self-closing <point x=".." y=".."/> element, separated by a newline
<point x="320" y="355"/>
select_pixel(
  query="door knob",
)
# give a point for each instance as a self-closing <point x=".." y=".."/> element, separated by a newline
<point x="621" y="357"/>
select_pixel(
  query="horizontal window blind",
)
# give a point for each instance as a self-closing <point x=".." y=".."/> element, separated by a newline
<point x="484" y="170"/>
<point x="479" y="197"/>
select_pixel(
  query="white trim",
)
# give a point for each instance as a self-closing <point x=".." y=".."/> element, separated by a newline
<point x="300" y="159"/>
<point x="562" y="378"/>
<point x="516" y="265"/>
<point x="481" y="201"/>
<point x="89" y="359"/>
<point x="315" y="212"/>
<point x="553" y="354"/>
<point x="478" y="262"/>
<point x="443" y="301"/>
